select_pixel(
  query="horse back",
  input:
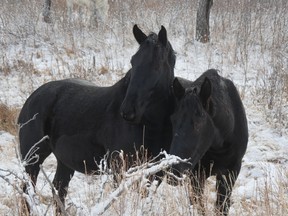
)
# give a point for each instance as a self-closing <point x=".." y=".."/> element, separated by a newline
<point x="70" y="100"/>
<point x="229" y="117"/>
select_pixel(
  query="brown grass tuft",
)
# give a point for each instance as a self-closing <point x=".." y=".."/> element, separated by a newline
<point x="8" y="117"/>
<point x="103" y="70"/>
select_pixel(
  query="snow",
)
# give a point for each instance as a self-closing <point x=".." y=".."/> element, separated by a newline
<point x="31" y="64"/>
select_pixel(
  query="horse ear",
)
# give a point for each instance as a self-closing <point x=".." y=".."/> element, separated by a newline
<point x="162" y="36"/>
<point x="178" y="89"/>
<point x="205" y="93"/>
<point x="138" y="34"/>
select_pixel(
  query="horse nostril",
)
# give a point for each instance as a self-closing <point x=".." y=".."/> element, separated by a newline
<point x="128" y="116"/>
<point x="131" y="117"/>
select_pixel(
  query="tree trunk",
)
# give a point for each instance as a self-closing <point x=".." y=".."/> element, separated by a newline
<point x="202" y="20"/>
<point x="47" y="11"/>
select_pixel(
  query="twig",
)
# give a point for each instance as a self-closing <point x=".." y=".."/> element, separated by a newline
<point x="28" y="157"/>
<point x="6" y="179"/>
<point x="32" y="119"/>
<point x="56" y="197"/>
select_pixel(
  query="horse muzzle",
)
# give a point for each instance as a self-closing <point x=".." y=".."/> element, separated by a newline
<point x="129" y="112"/>
<point x="128" y="116"/>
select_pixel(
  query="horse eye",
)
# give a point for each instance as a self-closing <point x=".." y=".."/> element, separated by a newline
<point x="195" y="90"/>
<point x="201" y="115"/>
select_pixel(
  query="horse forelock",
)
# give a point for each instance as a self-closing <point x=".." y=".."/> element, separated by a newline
<point x="152" y="38"/>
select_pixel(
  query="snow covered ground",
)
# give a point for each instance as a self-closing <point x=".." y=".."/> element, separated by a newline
<point x="251" y="50"/>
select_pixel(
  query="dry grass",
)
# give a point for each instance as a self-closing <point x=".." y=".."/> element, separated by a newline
<point x="8" y="119"/>
<point x="270" y="198"/>
<point x="240" y="30"/>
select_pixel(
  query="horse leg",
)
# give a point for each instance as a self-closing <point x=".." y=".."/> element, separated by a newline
<point x="34" y="161"/>
<point x="224" y="184"/>
<point x="32" y="168"/>
<point x="61" y="181"/>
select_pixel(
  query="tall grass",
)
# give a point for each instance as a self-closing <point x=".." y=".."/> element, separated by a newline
<point x="267" y="197"/>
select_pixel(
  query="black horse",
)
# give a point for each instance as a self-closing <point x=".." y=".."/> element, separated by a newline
<point x="84" y="122"/>
<point x="210" y="128"/>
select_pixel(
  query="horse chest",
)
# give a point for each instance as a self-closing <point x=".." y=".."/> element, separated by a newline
<point x="224" y="122"/>
<point x="218" y="159"/>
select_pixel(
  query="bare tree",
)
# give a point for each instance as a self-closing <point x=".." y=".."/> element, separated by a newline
<point x="202" y="20"/>
<point x="47" y="12"/>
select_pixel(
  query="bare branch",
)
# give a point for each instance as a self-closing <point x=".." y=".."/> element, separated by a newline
<point x="31" y="153"/>
<point x="6" y="179"/>
<point x="137" y="176"/>
<point x="32" y="119"/>
<point x="55" y="196"/>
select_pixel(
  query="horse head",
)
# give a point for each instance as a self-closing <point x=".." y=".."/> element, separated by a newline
<point x="152" y="74"/>
<point x="193" y="128"/>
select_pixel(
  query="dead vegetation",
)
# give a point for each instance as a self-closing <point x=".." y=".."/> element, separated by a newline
<point x="8" y="120"/>
<point x="240" y="30"/>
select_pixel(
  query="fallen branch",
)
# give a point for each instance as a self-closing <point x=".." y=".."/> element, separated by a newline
<point x="136" y="176"/>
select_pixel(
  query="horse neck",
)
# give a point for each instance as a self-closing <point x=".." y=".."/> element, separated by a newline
<point x="162" y="105"/>
<point x="119" y="89"/>
<point x="123" y="82"/>
<point x="164" y="90"/>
